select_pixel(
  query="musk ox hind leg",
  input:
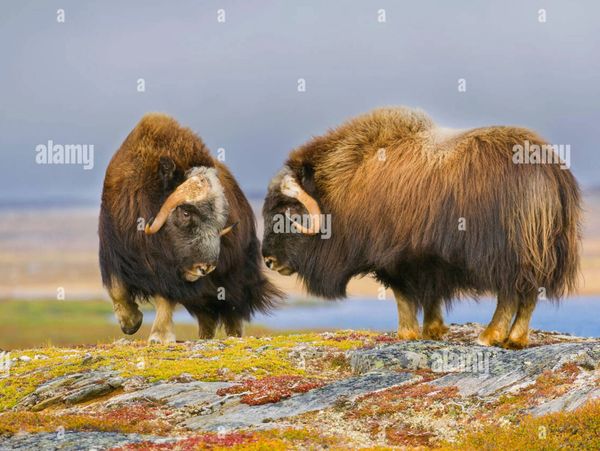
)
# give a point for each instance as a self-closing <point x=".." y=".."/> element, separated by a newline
<point x="162" y="331"/>
<point x="234" y="326"/>
<point x="519" y="333"/>
<point x="408" y="324"/>
<point x="496" y="332"/>
<point x="126" y="310"/>
<point x="207" y="325"/>
<point x="433" y="321"/>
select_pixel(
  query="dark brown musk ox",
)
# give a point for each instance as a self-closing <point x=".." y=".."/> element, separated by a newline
<point x="200" y="250"/>
<point x="435" y="214"/>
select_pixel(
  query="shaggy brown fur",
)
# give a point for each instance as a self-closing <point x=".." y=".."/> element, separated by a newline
<point x="397" y="186"/>
<point x="137" y="266"/>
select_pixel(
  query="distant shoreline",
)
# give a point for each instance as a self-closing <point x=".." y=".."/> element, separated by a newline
<point x="254" y="196"/>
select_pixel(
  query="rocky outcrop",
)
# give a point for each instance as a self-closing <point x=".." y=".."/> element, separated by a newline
<point x="350" y="388"/>
<point x="477" y="370"/>
<point x="71" y="389"/>
<point x="233" y="415"/>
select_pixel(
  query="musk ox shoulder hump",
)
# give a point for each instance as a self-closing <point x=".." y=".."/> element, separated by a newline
<point x="350" y="143"/>
<point x="159" y="134"/>
<point x="384" y="124"/>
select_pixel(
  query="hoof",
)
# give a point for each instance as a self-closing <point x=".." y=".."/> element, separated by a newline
<point x="131" y="324"/>
<point x="516" y="343"/>
<point x="409" y="334"/>
<point x="157" y="338"/>
<point x="435" y="331"/>
<point x="491" y="338"/>
<point x="484" y="340"/>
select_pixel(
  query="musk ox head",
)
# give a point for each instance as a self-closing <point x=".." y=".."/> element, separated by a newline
<point x="193" y="219"/>
<point x="291" y="217"/>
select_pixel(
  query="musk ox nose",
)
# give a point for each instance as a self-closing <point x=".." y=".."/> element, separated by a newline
<point x="270" y="262"/>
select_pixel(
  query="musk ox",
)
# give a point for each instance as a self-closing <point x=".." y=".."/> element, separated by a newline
<point x="200" y="250"/>
<point x="433" y="213"/>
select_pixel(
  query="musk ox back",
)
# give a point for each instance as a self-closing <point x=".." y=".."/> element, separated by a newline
<point x="175" y="226"/>
<point x="433" y="213"/>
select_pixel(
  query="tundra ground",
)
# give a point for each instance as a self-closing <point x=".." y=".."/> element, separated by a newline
<point x="348" y="389"/>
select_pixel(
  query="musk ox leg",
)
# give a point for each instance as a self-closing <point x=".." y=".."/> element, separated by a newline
<point x="519" y="333"/>
<point x="162" y="331"/>
<point x="126" y="310"/>
<point x="433" y="321"/>
<point x="207" y="326"/>
<point x="408" y="324"/>
<point x="497" y="330"/>
<point x="234" y="327"/>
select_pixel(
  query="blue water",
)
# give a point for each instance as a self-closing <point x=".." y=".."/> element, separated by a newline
<point x="578" y="316"/>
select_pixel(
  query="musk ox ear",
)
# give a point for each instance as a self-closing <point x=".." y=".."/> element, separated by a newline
<point x="308" y="179"/>
<point x="166" y="171"/>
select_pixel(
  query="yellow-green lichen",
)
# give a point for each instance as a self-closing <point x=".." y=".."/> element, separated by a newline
<point x="209" y="360"/>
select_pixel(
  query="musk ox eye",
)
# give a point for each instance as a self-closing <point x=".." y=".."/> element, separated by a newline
<point x="185" y="214"/>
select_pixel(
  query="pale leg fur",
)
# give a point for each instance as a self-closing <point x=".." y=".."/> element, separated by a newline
<point x="162" y="331"/>
<point x="433" y="322"/>
<point x="408" y="324"/>
<point x="126" y="310"/>
<point x="519" y="333"/>
<point x="497" y="330"/>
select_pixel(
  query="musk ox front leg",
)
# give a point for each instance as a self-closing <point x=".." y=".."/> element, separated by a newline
<point x="126" y="310"/>
<point x="408" y="324"/>
<point x="496" y="332"/>
<point x="162" y="331"/>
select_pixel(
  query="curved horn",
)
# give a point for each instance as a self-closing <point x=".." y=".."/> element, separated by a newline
<point x="291" y="188"/>
<point x="192" y="189"/>
<point x="228" y="229"/>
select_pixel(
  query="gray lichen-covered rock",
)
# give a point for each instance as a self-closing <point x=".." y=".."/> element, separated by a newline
<point x="76" y="441"/>
<point x="475" y="370"/>
<point x="176" y="395"/>
<point x="72" y="389"/>
<point x="237" y="415"/>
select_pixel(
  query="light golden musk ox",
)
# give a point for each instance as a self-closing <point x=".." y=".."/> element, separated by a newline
<point x="190" y="253"/>
<point x="433" y="213"/>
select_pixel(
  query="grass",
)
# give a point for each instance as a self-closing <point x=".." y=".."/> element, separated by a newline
<point x="30" y="324"/>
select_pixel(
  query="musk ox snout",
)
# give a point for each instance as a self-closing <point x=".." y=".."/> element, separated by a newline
<point x="274" y="264"/>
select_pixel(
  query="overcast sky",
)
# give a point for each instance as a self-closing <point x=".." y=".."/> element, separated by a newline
<point x="235" y="83"/>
